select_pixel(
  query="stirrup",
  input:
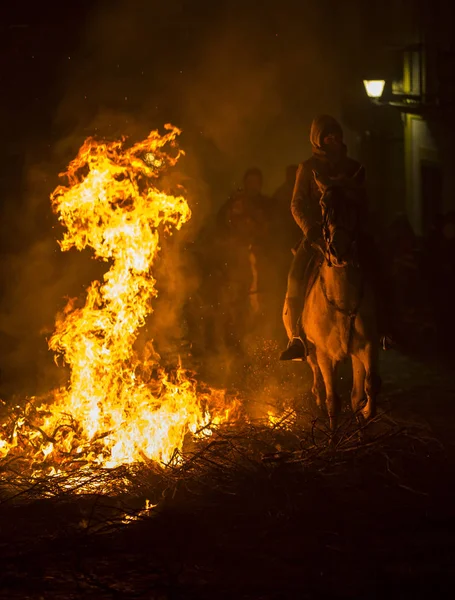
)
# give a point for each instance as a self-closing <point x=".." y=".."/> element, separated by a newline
<point x="388" y="342"/>
<point x="297" y="350"/>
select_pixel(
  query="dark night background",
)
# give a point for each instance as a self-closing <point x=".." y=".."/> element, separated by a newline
<point x="243" y="80"/>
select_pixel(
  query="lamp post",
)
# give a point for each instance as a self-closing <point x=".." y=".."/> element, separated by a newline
<point x="374" y="88"/>
<point x="376" y="150"/>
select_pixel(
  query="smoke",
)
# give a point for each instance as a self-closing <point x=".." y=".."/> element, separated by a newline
<point x="243" y="84"/>
<point x="38" y="278"/>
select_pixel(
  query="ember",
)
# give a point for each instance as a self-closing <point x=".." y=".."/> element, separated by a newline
<point x="120" y="406"/>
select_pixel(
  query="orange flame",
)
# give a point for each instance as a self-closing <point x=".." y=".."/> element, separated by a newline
<point x="119" y="407"/>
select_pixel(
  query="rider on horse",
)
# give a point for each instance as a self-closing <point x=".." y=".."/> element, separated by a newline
<point x="331" y="161"/>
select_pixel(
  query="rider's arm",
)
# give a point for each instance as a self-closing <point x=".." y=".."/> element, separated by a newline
<point x="305" y="208"/>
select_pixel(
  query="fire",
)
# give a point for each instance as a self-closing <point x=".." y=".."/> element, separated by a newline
<point x="283" y="419"/>
<point x="119" y="407"/>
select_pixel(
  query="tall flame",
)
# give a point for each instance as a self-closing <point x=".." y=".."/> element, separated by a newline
<point x="119" y="407"/>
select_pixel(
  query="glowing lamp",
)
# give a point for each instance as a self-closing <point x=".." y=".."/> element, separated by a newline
<point x="374" y="87"/>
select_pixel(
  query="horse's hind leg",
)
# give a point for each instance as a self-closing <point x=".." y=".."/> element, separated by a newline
<point x="318" y="382"/>
<point x="358" y="385"/>
<point x="369" y="358"/>
<point x="328" y="369"/>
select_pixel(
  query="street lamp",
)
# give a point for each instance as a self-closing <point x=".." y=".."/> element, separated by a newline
<point x="374" y="87"/>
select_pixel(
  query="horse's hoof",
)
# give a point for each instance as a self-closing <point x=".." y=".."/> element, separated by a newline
<point x="367" y="412"/>
<point x="359" y="418"/>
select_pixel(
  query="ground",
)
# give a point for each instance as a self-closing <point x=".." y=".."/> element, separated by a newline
<point x="370" y="523"/>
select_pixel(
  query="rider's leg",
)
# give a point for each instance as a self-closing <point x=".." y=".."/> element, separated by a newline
<point x="294" y="306"/>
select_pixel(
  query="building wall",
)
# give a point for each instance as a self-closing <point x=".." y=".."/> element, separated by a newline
<point x="422" y="162"/>
<point x="410" y="158"/>
<point x="428" y="151"/>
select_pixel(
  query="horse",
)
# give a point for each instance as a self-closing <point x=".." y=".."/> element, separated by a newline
<point x="340" y="317"/>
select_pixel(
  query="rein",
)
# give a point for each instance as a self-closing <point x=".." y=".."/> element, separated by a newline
<point x="350" y="314"/>
<point x="331" y="213"/>
<point x="325" y="229"/>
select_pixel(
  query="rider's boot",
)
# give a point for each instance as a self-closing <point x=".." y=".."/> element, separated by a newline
<point x="388" y="328"/>
<point x="297" y="347"/>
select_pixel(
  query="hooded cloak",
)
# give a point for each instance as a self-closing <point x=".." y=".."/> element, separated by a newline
<point x="305" y="199"/>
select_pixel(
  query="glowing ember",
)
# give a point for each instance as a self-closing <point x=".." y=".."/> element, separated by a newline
<point x="284" y="419"/>
<point x="119" y="407"/>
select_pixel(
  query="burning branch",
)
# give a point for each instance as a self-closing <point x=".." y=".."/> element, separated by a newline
<point x="110" y="414"/>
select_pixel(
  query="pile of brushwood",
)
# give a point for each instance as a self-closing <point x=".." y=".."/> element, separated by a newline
<point x="253" y="510"/>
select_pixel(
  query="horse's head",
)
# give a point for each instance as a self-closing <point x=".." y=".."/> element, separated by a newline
<point x="340" y="216"/>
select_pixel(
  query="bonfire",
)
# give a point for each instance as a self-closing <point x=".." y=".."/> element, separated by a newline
<point x="123" y="412"/>
<point x="120" y="406"/>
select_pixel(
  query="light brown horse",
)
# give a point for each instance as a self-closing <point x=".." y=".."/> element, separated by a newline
<point x="339" y="317"/>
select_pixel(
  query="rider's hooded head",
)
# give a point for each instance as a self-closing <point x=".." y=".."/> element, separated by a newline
<point x="326" y="137"/>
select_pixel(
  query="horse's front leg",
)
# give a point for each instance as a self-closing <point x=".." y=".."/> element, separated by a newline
<point x="328" y="370"/>
<point x="369" y="358"/>
<point x="358" y="385"/>
<point x="318" y="382"/>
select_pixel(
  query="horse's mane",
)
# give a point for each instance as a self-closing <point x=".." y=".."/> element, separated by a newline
<point x="339" y="207"/>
